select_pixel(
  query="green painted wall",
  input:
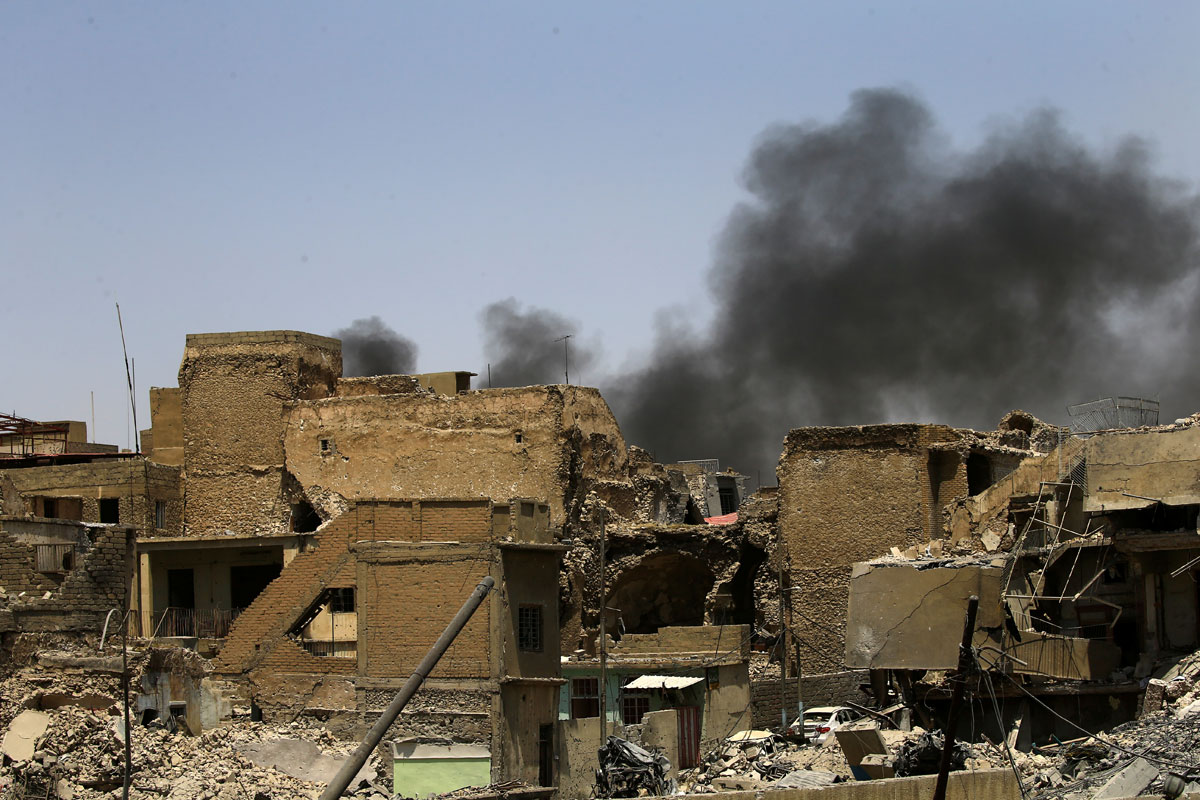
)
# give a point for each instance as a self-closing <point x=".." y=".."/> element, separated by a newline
<point x="421" y="777"/>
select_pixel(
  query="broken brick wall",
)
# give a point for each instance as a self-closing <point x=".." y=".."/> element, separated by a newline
<point x="75" y="599"/>
<point x="233" y="388"/>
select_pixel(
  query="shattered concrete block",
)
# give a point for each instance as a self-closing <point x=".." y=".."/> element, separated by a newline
<point x="1129" y="782"/>
<point x="1152" y="701"/>
<point x="991" y="542"/>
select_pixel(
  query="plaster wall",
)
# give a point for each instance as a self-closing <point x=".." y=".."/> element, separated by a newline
<point x="848" y="495"/>
<point x="166" y="426"/>
<point x="527" y="442"/>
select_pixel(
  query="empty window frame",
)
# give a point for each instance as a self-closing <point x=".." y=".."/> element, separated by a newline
<point x="585" y="697"/>
<point x="110" y="510"/>
<point x="160" y="514"/>
<point x="635" y="703"/>
<point x="341" y="601"/>
<point x="529" y="627"/>
<point x="55" y="559"/>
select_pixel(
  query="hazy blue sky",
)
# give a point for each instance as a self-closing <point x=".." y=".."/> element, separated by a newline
<point x="232" y="166"/>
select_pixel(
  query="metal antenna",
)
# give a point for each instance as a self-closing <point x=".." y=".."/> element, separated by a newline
<point x="566" y="340"/>
<point x="129" y="380"/>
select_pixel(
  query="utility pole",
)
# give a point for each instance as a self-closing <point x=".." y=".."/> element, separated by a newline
<point x="783" y="649"/>
<point x="603" y="639"/>
<point x="354" y="763"/>
<point x="965" y="668"/>
<point x="566" y="340"/>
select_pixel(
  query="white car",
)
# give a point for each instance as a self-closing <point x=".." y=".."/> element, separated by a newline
<point x="820" y="722"/>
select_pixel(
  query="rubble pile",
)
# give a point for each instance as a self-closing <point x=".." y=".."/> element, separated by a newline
<point x="757" y="759"/>
<point x="763" y="760"/>
<point x="1138" y="756"/>
<point x="82" y="751"/>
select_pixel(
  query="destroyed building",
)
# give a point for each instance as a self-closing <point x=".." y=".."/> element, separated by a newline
<point x="273" y="497"/>
<point x="310" y="534"/>
<point x="1084" y="559"/>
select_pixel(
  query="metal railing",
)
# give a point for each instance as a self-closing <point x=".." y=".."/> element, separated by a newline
<point x="204" y="623"/>
<point x="340" y="649"/>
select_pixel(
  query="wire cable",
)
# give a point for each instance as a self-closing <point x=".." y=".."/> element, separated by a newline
<point x="1098" y="737"/>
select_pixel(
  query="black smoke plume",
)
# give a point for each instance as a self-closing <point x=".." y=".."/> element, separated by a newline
<point x="876" y="274"/>
<point x="524" y="347"/>
<point x="370" y="347"/>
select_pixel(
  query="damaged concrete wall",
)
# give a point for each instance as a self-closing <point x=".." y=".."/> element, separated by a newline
<point x="1163" y="465"/>
<point x="905" y="617"/>
<point x="233" y="387"/>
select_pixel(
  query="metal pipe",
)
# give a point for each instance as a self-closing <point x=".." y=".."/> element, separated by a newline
<point x="965" y="666"/>
<point x="359" y="757"/>
<point x="603" y="636"/>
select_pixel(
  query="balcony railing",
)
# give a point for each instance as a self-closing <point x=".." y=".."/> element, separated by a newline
<point x="344" y="649"/>
<point x="203" y="623"/>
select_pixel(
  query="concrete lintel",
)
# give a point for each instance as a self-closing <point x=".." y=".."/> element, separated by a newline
<point x="216" y="543"/>
<point x="546" y="548"/>
<point x="376" y="552"/>
<point x="454" y="684"/>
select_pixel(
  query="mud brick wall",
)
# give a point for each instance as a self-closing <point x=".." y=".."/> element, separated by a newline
<point x="258" y="638"/>
<point x="848" y="495"/>
<point x="233" y="387"/>
<point x="429" y="521"/>
<point x="264" y="625"/>
<point x="406" y="605"/>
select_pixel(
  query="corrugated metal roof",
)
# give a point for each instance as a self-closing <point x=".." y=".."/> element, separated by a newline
<point x="661" y="682"/>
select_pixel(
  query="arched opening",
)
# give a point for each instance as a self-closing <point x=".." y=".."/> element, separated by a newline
<point x="663" y="589"/>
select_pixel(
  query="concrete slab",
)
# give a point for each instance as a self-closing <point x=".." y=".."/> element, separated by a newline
<point x="20" y="739"/>
<point x="300" y="759"/>
<point x="1129" y="782"/>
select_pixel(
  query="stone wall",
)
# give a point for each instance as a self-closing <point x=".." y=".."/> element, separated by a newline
<point x="77" y="599"/>
<point x="536" y="441"/>
<point x="233" y="388"/>
<point x="135" y="483"/>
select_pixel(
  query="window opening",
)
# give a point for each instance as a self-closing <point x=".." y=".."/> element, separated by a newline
<point x="341" y="601"/>
<point x="635" y="703"/>
<point x="160" y="514"/>
<point x="585" y="697"/>
<point x="110" y="511"/>
<point x="728" y="496"/>
<point x="529" y="627"/>
<point x="55" y="559"/>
